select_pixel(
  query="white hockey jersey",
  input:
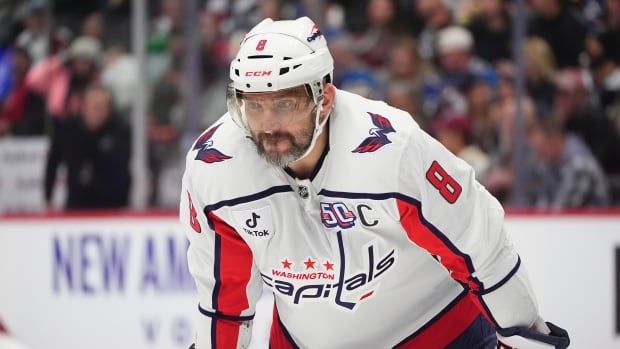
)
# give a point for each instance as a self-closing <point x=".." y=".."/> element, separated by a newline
<point x="390" y="243"/>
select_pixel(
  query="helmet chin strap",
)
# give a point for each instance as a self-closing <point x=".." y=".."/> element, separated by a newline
<point x="318" y="129"/>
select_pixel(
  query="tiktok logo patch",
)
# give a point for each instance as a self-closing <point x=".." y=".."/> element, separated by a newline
<point x="252" y="222"/>
<point x="255" y="223"/>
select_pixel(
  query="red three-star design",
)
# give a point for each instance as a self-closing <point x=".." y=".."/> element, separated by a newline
<point x="328" y="265"/>
<point x="309" y="263"/>
<point x="286" y="264"/>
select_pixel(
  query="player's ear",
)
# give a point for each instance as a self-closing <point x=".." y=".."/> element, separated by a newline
<point x="329" y="95"/>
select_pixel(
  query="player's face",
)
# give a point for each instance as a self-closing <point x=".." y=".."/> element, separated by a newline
<point x="281" y="124"/>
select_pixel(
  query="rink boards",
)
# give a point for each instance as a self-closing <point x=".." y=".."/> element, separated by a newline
<point x="105" y="281"/>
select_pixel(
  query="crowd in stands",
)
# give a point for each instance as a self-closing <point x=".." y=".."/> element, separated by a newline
<point x="66" y="72"/>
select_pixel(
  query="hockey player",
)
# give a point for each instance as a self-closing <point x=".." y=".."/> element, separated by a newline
<point x="369" y="232"/>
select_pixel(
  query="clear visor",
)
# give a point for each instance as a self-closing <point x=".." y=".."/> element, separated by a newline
<point x="258" y="109"/>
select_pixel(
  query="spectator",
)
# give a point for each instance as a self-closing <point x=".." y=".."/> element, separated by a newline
<point x="454" y="132"/>
<point x="568" y="175"/>
<point x="34" y="38"/>
<point x="457" y="67"/>
<point x="117" y="21"/>
<point x="540" y="71"/>
<point x="506" y="118"/>
<point x="426" y="75"/>
<point x="610" y="30"/>
<point x="491" y="29"/>
<point x="166" y="41"/>
<point x="503" y="112"/>
<point x="480" y="100"/>
<point x="71" y="13"/>
<point x="6" y="67"/>
<point x="93" y="26"/>
<point x="95" y="148"/>
<point x="404" y="65"/>
<point x="360" y="82"/>
<point x="406" y="96"/>
<point x="22" y="112"/>
<point x="436" y="15"/>
<point x="345" y="60"/>
<point x="215" y="56"/>
<point x="581" y="115"/>
<point x="120" y="76"/>
<point x="165" y="125"/>
<point x="403" y="78"/>
<point x="270" y="9"/>
<point x="374" y="43"/>
<point x="553" y="20"/>
<point x="606" y="75"/>
<point x="61" y="79"/>
<point x="334" y="24"/>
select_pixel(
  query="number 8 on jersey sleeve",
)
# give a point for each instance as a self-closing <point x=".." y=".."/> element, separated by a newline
<point x="442" y="181"/>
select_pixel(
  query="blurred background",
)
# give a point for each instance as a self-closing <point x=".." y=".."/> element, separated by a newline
<point x="100" y="100"/>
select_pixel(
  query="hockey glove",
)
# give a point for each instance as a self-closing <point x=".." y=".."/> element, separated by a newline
<point x="543" y="335"/>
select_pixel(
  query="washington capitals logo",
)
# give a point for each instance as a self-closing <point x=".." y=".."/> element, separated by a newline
<point x="206" y="153"/>
<point x="378" y="134"/>
<point x="346" y="286"/>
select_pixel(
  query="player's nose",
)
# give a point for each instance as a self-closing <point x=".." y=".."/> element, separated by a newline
<point x="271" y="123"/>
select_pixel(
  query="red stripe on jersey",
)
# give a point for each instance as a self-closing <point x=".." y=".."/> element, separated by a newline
<point x="279" y="337"/>
<point x="226" y="333"/>
<point x="235" y="270"/>
<point x="421" y="233"/>
<point x="443" y="330"/>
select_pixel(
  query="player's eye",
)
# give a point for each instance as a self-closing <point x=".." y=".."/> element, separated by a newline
<point x="253" y="105"/>
<point x="285" y="104"/>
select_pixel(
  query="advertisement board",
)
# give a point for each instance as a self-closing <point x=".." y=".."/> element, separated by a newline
<point x="122" y="282"/>
<point x="98" y="283"/>
<point x="22" y="170"/>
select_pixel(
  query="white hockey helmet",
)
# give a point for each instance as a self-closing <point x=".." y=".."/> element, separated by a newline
<point x="277" y="56"/>
<point x="283" y="54"/>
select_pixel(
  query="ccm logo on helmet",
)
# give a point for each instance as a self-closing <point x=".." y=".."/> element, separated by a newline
<point x="258" y="73"/>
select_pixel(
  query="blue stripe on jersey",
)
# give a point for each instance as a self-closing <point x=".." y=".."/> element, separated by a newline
<point x="319" y="164"/>
<point x="216" y="286"/>
<point x="372" y="196"/>
<point x="222" y="316"/>
<point x="248" y="198"/>
<point x="347" y="305"/>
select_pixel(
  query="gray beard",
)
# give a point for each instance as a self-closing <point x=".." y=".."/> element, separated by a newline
<point x="298" y="149"/>
<point x="281" y="160"/>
